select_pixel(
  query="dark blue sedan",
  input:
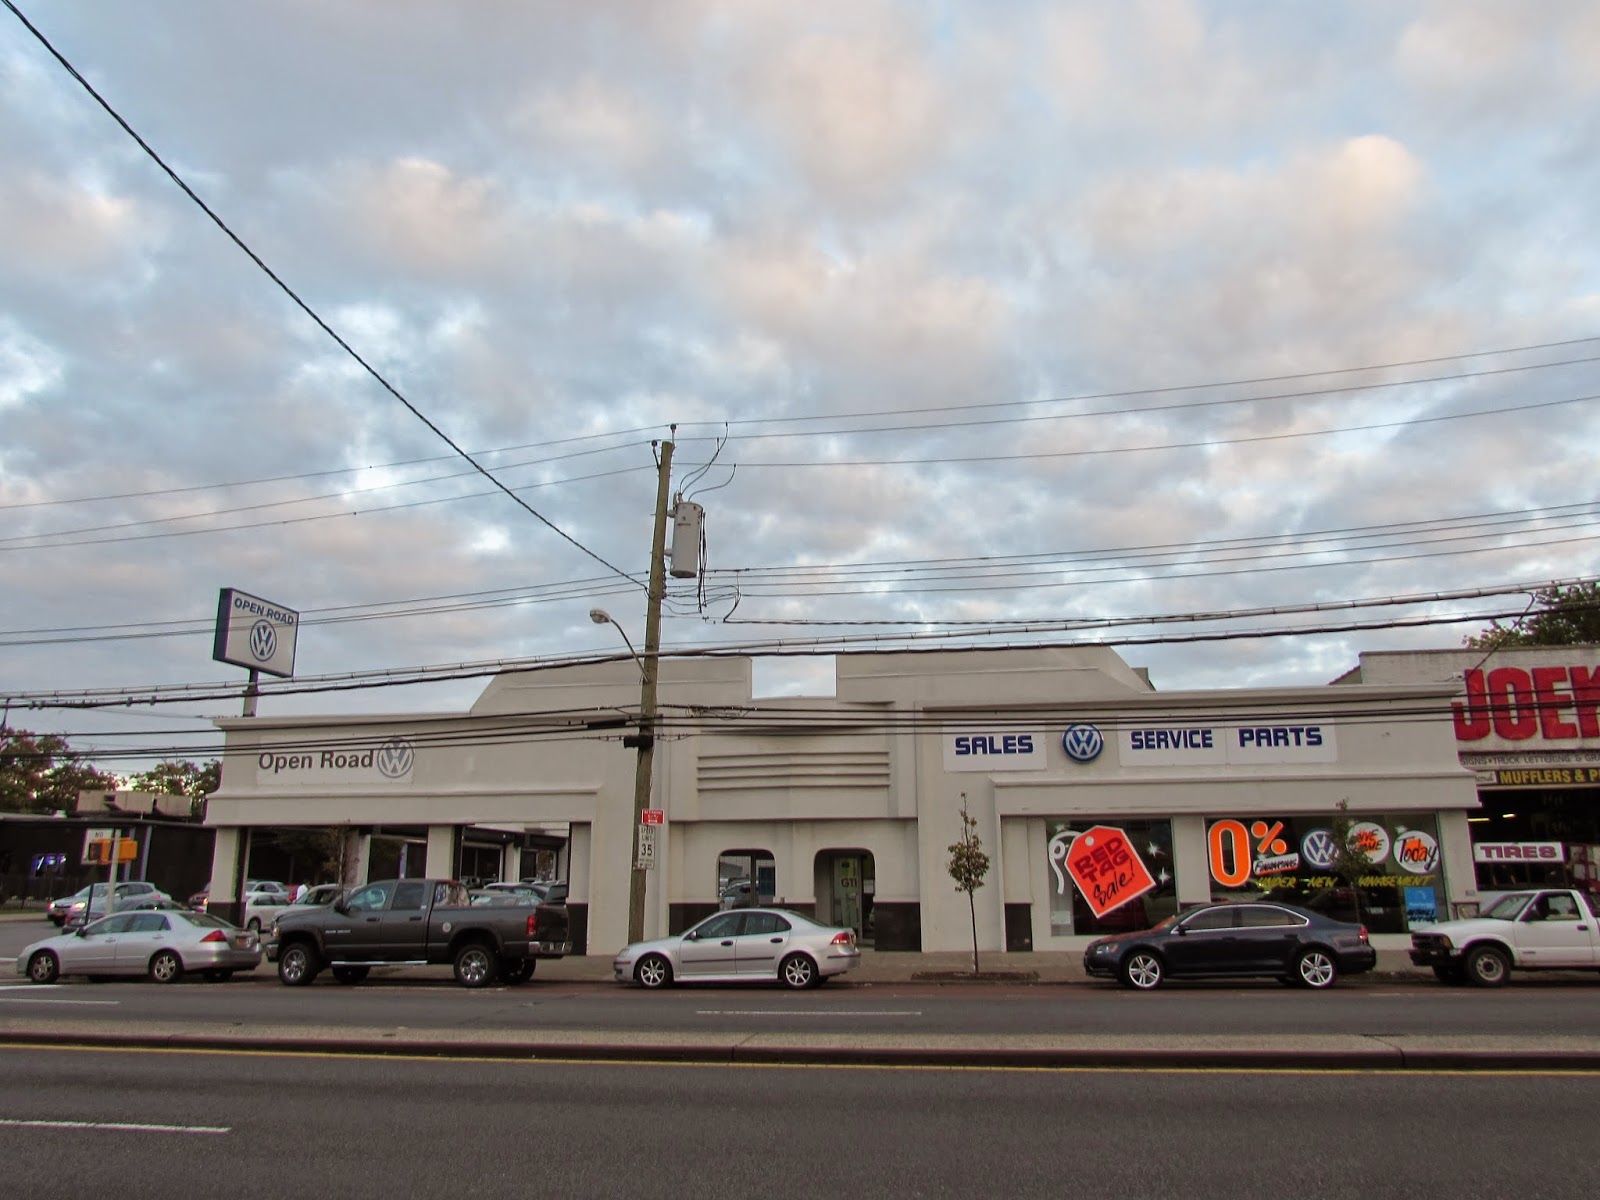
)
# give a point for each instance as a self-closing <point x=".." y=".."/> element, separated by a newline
<point x="1235" y="940"/>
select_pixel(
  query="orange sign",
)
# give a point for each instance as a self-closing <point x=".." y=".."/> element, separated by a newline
<point x="1107" y="869"/>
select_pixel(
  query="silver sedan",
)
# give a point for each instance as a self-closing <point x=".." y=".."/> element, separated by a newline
<point x="162" y="945"/>
<point x="742" y="946"/>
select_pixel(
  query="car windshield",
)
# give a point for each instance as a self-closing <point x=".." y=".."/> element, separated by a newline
<point x="1509" y="907"/>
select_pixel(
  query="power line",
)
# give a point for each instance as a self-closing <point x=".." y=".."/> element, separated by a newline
<point x="1193" y="387"/>
<point x="1124" y="412"/>
<point x="1001" y="572"/>
<point x="301" y="304"/>
<point x="1207" y="444"/>
<point x="847" y="431"/>
<point x="405" y="676"/>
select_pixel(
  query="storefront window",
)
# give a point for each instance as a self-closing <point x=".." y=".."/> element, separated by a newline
<point x="1147" y="846"/>
<point x="1388" y="879"/>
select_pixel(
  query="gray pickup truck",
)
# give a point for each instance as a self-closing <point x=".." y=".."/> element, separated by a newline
<point x="417" y="921"/>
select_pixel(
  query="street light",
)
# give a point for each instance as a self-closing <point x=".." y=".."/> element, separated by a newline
<point x="601" y="617"/>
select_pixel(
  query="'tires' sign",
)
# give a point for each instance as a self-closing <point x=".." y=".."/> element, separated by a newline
<point x="1555" y="703"/>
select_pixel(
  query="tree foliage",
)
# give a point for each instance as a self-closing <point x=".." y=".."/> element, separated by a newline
<point x="968" y="867"/>
<point x="1560" y="616"/>
<point x="39" y="773"/>
<point x="178" y="777"/>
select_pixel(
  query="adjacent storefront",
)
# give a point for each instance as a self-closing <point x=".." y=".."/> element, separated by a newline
<point x="1527" y="725"/>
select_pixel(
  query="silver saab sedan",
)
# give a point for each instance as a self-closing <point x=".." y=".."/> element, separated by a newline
<point x="745" y="945"/>
<point x="162" y="944"/>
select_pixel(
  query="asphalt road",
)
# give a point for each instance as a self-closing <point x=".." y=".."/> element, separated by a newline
<point x="136" y="1124"/>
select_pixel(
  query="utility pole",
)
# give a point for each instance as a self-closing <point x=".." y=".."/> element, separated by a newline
<point x="647" y="695"/>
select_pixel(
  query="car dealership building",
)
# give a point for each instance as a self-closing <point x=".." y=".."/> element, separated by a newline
<point x="1102" y="803"/>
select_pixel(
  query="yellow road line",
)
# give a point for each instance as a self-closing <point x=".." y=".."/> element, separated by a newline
<point x="538" y="1060"/>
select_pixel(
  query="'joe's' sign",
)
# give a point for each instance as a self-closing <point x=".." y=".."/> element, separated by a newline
<point x="1555" y="703"/>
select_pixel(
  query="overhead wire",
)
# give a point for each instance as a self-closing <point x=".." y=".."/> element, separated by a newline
<point x="997" y="572"/>
<point x="773" y="647"/>
<point x="301" y="304"/>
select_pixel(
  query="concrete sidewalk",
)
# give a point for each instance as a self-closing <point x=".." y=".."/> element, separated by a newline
<point x="1111" y="1051"/>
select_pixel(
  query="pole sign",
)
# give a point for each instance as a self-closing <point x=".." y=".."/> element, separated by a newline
<point x="255" y="634"/>
<point x="653" y="816"/>
<point x="644" y="857"/>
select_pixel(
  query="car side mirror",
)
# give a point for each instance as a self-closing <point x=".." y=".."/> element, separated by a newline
<point x="691" y="936"/>
<point x="80" y="931"/>
<point x="1181" y="930"/>
<point x="340" y="907"/>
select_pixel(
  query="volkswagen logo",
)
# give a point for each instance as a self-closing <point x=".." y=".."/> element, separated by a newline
<point x="263" y="641"/>
<point x="1318" y="848"/>
<point x="395" y="758"/>
<point x="1082" y="743"/>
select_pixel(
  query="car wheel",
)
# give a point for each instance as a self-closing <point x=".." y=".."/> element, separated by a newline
<point x="1488" y="966"/>
<point x="474" y="965"/>
<point x="1142" y="970"/>
<point x="1315" y="969"/>
<point x="350" y="975"/>
<point x="44" y="967"/>
<point x="653" y="971"/>
<point x="516" y="970"/>
<point x="166" y="967"/>
<point x="253" y="924"/>
<point x="297" y="965"/>
<point x="798" y="971"/>
<point x="1449" y="973"/>
<point x="217" y="975"/>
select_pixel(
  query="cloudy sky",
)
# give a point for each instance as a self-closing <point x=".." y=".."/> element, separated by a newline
<point x="971" y="318"/>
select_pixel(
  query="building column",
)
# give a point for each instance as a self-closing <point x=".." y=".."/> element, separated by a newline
<point x="357" y="853"/>
<point x="511" y="862"/>
<point x="442" y="841"/>
<point x="1456" y="863"/>
<point x="223" y="894"/>
<point x="1191" y="861"/>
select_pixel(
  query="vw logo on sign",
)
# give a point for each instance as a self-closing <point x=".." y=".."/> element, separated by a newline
<point x="263" y="641"/>
<point x="395" y="758"/>
<point x="1082" y="743"/>
<point x="1317" y="848"/>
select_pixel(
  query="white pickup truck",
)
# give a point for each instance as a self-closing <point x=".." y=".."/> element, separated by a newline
<point x="1537" y="929"/>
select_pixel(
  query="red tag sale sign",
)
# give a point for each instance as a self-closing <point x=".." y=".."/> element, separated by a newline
<point x="1107" y="869"/>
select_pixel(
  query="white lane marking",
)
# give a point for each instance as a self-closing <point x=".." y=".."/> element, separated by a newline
<point x="805" y="1012"/>
<point x="113" y="1126"/>
<point x="52" y="1000"/>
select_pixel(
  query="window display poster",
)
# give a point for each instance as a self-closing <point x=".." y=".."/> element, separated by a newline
<point x="1121" y="905"/>
<point x="1392" y="860"/>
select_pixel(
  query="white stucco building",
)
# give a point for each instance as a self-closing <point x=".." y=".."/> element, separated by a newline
<point x="845" y="806"/>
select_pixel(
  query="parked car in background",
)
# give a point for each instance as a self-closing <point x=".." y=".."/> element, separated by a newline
<point x="91" y="902"/>
<point x="162" y="945"/>
<point x="1279" y="941"/>
<point x="58" y="908"/>
<point x="318" y="896"/>
<point x="263" y="898"/>
<point x="745" y="945"/>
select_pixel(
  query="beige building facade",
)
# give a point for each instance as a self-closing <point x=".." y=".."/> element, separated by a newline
<point x="1102" y="802"/>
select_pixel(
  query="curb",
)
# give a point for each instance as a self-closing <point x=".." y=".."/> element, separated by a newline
<point x="1387" y="1059"/>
